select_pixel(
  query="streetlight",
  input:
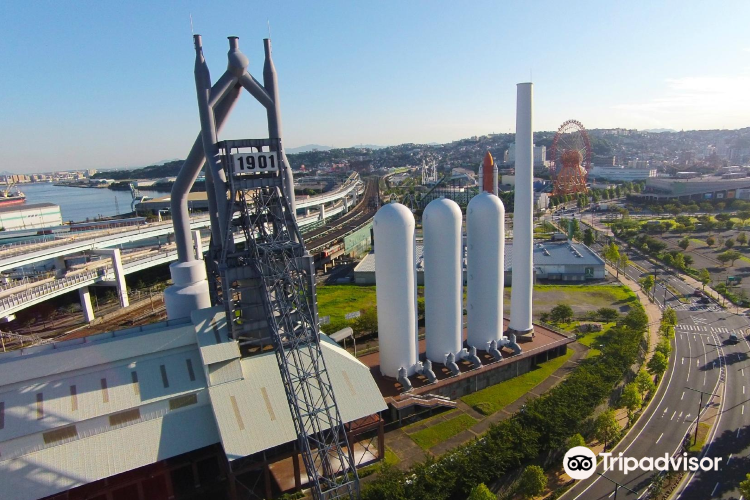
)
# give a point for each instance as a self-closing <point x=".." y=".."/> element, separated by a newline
<point x="617" y="485"/>
<point x="700" y="408"/>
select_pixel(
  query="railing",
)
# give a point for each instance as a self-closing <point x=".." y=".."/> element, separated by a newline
<point x="45" y="289"/>
<point x="21" y="247"/>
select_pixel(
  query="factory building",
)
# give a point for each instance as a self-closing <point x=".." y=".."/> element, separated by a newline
<point x="622" y="174"/>
<point x="31" y="216"/>
<point x="562" y="263"/>
<point x="697" y="189"/>
<point x="162" y="410"/>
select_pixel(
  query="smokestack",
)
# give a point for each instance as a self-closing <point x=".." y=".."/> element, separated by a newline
<point x="271" y="84"/>
<point x="523" y="231"/>
<point x="487" y="176"/>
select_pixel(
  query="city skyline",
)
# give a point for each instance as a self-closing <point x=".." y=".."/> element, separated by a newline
<point x="116" y="87"/>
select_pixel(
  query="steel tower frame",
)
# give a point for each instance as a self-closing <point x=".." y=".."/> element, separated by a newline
<point x="268" y="285"/>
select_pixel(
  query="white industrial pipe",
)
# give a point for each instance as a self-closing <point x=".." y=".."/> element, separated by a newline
<point x="523" y="230"/>
<point x="395" y="274"/>
<point x="485" y="224"/>
<point x="443" y="283"/>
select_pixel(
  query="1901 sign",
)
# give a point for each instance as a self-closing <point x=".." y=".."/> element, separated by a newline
<point x="254" y="163"/>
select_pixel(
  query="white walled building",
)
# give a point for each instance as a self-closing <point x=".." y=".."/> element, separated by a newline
<point x="622" y="173"/>
<point x="540" y="155"/>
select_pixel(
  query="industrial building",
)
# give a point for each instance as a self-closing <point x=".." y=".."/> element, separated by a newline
<point x="622" y="174"/>
<point x="31" y="216"/>
<point x="554" y="261"/>
<point x="163" y="410"/>
<point x="696" y="189"/>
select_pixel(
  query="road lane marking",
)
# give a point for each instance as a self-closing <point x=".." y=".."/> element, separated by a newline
<point x="730" y="458"/>
<point x="683" y="361"/>
<point x="673" y="414"/>
<point x="697" y="363"/>
<point x="743" y="389"/>
<point x="683" y="395"/>
<point x="660" y="436"/>
<point x="714" y="490"/>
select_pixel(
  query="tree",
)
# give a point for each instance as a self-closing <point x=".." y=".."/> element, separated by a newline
<point x="561" y="313"/>
<point x="612" y="254"/>
<point x="367" y="323"/>
<point x="481" y="492"/>
<point x="588" y="237"/>
<point x="575" y="440"/>
<point x="664" y="347"/>
<point x="710" y="241"/>
<point x="679" y="261"/>
<point x="744" y="215"/>
<point x="631" y="398"/>
<point x="704" y="277"/>
<point x="668" y="259"/>
<point x="658" y="363"/>
<point x="647" y="283"/>
<point x="606" y="427"/>
<point x="533" y="481"/>
<point x="742" y="238"/>
<point x="745" y="486"/>
<point x="623" y="262"/>
<point x="729" y="243"/>
<point x="644" y="382"/>
<point x="684" y="243"/>
<point x="729" y="256"/>
<point x="669" y="317"/>
<point x="607" y="314"/>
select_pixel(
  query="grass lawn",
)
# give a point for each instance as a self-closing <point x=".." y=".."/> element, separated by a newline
<point x="582" y="298"/>
<point x="337" y="300"/>
<point x="435" y="434"/>
<point x="703" y="430"/>
<point x="697" y="243"/>
<point x="494" y="398"/>
<point x="592" y="338"/>
<point x="390" y="459"/>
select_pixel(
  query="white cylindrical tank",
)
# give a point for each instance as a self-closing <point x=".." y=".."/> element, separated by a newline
<point x="443" y="283"/>
<point x="485" y="227"/>
<point x="523" y="230"/>
<point x="395" y="274"/>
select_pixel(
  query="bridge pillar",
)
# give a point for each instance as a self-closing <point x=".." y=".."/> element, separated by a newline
<point x="198" y="245"/>
<point x="346" y="204"/>
<point x="88" y="310"/>
<point x="322" y="213"/>
<point x="116" y="258"/>
<point x="60" y="266"/>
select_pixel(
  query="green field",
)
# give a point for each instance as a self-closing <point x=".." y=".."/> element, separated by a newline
<point x="337" y="300"/>
<point x="496" y="397"/>
<point x="435" y="434"/>
<point x="592" y="338"/>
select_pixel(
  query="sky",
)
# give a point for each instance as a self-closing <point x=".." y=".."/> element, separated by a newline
<point x="101" y="84"/>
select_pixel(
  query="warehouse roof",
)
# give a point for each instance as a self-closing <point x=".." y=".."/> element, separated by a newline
<point x="78" y="411"/>
<point x="27" y="206"/>
<point x="557" y="253"/>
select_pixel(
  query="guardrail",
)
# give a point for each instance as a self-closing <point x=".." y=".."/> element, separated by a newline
<point x="45" y="289"/>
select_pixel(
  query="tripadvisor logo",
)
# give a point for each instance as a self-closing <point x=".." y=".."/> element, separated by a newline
<point x="580" y="463"/>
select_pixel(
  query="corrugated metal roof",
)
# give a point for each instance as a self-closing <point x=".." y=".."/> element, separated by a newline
<point x="60" y="468"/>
<point x="560" y="254"/>
<point x="20" y="366"/>
<point x="253" y="414"/>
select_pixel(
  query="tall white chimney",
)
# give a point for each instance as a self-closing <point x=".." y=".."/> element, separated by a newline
<point x="523" y="230"/>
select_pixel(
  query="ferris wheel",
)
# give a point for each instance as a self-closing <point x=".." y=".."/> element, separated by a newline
<point x="571" y="158"/>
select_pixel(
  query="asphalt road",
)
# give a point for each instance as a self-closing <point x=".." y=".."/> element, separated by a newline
<point x="702" y="357"/>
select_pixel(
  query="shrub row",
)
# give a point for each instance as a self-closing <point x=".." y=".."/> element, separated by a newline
<point x="540" y="428"/>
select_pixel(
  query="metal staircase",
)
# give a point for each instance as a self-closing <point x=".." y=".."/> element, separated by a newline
<point x="268" y="290"/>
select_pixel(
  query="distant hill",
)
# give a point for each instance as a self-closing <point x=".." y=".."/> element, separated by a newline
<point x="659" y="130"/>
<point x="308" y="148"/>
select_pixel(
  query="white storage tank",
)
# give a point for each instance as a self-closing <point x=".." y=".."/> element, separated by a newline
<point x="485" y="226"/>
<point x="443" y="283"/>
<point x="395" y="273"/>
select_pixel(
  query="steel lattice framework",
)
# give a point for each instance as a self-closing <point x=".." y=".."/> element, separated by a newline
<point x="268" y="291"/>
<point x="571" y="158"/>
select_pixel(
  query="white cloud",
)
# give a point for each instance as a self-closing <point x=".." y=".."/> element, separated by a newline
<point x="696" y="102"/>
